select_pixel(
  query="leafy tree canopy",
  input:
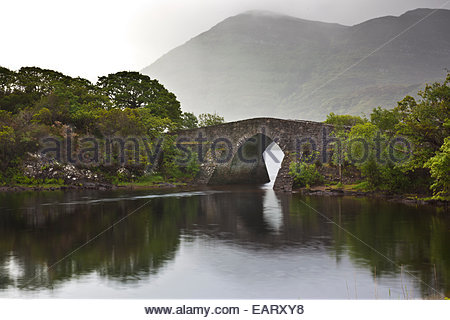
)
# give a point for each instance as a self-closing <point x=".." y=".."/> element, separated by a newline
<point x="439" y="166"/>
<point x="209" y="119"/>
<point x="427" y="121"/>
<point x="385" y="119"/>
<point x="189" y="120"/>
<point x="133" y="90"/>
<point x="344" y="120"/>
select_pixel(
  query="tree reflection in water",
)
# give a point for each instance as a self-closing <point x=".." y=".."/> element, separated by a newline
<point x="38" y="229"/>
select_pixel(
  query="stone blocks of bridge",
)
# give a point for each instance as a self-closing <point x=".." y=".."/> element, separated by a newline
<point x="226" y="148"/>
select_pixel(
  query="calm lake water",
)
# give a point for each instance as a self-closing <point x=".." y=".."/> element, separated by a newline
<point x="239" y="242"/>
<point x="224" y="242"/>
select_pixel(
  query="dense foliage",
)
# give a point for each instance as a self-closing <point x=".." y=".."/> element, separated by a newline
<point x="36" y="102"/>
<point x="304" y="172"/>
<point x="209" y="119"/>
<point x="344" y="120"/>
<point x="404" y="149"/>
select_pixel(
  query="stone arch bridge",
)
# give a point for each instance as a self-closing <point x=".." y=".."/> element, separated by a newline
<point x="232" y="153"/>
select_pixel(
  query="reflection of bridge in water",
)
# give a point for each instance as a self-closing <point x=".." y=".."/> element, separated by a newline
<point x="39" y="229"/>
<point x="232" y="153"/>
<point x="262" y="217"/>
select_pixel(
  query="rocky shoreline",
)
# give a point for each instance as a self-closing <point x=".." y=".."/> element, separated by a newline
<point x="315" y="191"/>
<point x="99" y="186"/>
<point x="87" y="186"/>
<point x="400" y="198"/>
<point x="39" y="173"/>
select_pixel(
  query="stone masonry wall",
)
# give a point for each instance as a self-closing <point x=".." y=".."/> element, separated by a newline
<point x="211" y="142"/>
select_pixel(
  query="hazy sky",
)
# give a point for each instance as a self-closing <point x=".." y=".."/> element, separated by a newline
<point x="90" y="38"/>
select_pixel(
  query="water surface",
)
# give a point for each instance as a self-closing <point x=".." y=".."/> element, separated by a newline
<point x="224" y="242"/>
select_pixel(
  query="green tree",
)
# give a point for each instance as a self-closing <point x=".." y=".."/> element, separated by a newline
<point x="384" y="119"/>
<point x="426" y="122"/>
<point x="119" y="122"/>
<point x="367" y="148"/>
<point x="44" y="116"/>
<point x="7" y="141"/>
<point x="76" y="102"/>
<point x="35" y="102"/>
<point x="18" y="135"/>
<point x="39" y="81"/>
<point x="344" y="120"/>
<point x="362" y="141"/>
<point x="31" y="84"/>
<point x="36" y="87"/>
<point x="133" y="90"/>
<point x="362" y="151"/>
<point x="209" y="119"/>
<point x="7" y="80"/>
<point x="439" y="166"/>
<point x="153" y="126"/>
<point x="9" y="98"/>
<point x="189" y="120"/>
<point x="304" y="172"/>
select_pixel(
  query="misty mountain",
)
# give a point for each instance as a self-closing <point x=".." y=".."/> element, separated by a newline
<point x="266" y="64"/>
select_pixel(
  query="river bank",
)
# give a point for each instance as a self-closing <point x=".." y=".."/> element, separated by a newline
<point x="333" y="191"/>
<point x="346" y="190"/>
<point x="92" y="186"/>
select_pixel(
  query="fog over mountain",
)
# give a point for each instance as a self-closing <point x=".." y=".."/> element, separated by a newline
<point x="266" y="64"/>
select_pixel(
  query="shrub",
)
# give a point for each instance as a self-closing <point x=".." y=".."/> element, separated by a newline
<point x="371" y="170"/>
<point x="305" y="174"/>
<point x="439" y="166"/>
<point x="19" y="178"/>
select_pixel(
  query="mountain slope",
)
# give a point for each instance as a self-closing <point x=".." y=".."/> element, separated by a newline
<point x="264" y="64"/>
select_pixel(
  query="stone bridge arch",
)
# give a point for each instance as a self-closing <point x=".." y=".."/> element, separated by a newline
<point x="247" y="164"/>
<point x="225" y="160"/>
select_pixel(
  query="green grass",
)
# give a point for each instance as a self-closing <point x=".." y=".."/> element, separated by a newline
<point x="363" y="186"/>
<point x="23" y="181"/>
<point x="42" y="185"/>
<point x="151" y="181"/>
<point x="439" y="198"/>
